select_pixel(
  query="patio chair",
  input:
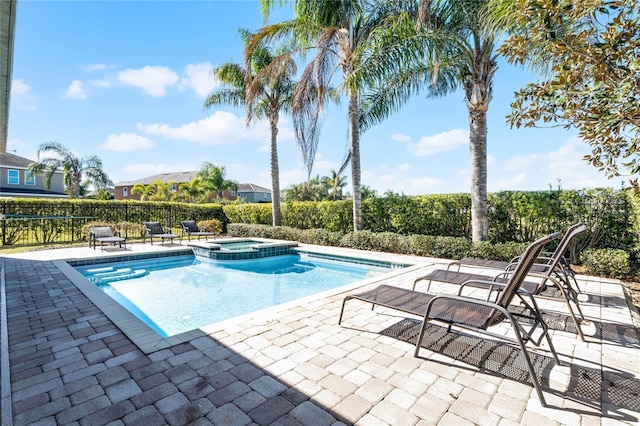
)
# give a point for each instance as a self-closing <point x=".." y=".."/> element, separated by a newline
<point x="563" y="266"/>
<point x="549" y="273"/>
<point x="104" y="235"/>
<point x="190" y="228"/>
<point x="154" y="230"/>
<point x="476" y="314"/>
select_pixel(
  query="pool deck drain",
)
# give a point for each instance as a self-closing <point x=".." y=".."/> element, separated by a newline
<point x="70" y="363"/>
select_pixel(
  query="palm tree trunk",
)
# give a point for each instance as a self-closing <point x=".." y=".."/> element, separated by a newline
<point x="478" y="154"/>
<point x="355" y="161"/>
<point x="275" y="174"/>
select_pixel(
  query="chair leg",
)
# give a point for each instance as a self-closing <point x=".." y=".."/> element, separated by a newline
<point x="527" y="359"/>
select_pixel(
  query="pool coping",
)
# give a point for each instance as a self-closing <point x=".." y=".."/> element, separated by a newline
<point x="148" y="340"/>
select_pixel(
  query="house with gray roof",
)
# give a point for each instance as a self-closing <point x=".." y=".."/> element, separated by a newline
<point x="250" y="192"/>
<point x="16" y="181"/>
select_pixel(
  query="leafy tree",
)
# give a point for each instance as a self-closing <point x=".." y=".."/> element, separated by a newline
<point x="265" y="87"/>
<point x="368" y="192"/>
<point x="340" y="32"/>
<point x="76" y="171"/>
<point x="192" y="191"/>
<point x="438" y="47"/>
<point x="589" y="52"/>
<point x="214" y="179"/>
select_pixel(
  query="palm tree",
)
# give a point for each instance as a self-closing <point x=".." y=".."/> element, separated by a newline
<point x="75" y="170"/>
<point x="337" y="183"/>
<point x="265" y="87"/>
<point x="193" y="190"/>
<point x="441" y="46"/>
<point x="145" y="191"/>
<point x="214" y="181"/>
<point x="340" y="32"/>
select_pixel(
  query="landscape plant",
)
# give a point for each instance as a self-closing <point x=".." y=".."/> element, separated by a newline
<point x="75" y="170"/>
<point x="265" y="88"/>
<point x="588" y="54"/>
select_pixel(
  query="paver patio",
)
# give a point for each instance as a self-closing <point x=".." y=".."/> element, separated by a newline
<point x="70" y="364"/>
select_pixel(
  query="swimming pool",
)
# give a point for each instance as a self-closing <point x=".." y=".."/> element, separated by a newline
<point x="182" y="293"/>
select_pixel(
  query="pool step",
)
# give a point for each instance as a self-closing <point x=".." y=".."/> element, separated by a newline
<point x="118" y="275"/>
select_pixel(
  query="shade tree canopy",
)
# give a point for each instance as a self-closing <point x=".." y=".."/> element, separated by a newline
<point x="589" y="55"/>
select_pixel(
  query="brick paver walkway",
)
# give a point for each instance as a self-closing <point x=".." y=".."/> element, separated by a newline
<point x="71" y="365"/>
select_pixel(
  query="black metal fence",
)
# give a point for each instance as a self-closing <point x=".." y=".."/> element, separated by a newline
<point x="38" y="221"/>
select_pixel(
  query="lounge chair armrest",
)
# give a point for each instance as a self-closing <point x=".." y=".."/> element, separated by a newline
<point x="488" y="285"/>
<point x="454" y="263"/>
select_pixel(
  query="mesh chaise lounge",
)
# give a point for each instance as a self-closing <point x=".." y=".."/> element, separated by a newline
<point x="541" y="275"/>
<point x="563" y="266"/>
<point x="154" y="230"/>
<point x="476" y="314"/>
<point x="104" y="235"/>
<point x="190" y="227"/>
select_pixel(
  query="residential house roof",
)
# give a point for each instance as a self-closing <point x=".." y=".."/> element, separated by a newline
<point x="11" y="160"/>
<point x="249" y="187"/>
<point x="180" y="177"/>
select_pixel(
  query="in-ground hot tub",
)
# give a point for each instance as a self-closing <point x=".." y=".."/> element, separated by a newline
<point x="242" y="248"/>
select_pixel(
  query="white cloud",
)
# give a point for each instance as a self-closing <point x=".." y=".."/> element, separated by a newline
<point x="95" y="67"/>
<point x="137" y="171"/>
<point x="100" y="83"/>
<point x="19" y="87"/>
<point x="125" y="142"/>
<point x="446" y="141"/>
<point x="219" y="128"/>
<point x="199" y="79"/>
<point x="400" y="137"/>
<point x="520" y="162"/>
<point x="408" y="186"/>
<point x="152" y="79"/>
<point x="22" y="96"/>
<point x="513" y="183"/>
<point x="76" y="90"/>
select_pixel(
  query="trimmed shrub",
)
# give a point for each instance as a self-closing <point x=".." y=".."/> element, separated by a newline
<point x="609" y="263"/>
<point x="498" y="251"/>
<point x="211" y="225"/>
<point x="320" y="237"/>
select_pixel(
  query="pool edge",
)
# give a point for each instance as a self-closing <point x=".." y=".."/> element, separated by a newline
<point x="143" y="336"/>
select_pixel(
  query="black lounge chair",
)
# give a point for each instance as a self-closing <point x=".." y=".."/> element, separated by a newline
<point x="154" y="230"/>
<point x="190" y="227"/>
<point x="104" y="235"/>
<point x="548" y="271"/>
<point x="476" y="314"/>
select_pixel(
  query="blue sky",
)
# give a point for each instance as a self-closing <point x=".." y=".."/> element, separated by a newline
<point x="126" y="80"/>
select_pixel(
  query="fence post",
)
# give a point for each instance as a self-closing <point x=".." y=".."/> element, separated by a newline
<point x="4" y="223"/>
<point x="73" y="222"/>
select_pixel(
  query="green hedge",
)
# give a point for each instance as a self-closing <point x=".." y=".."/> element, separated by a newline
<point x="514" y="216"/>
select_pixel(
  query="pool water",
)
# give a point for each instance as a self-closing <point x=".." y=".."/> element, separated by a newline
<point x="177" y="294"/>
<point x="240" y="245"/>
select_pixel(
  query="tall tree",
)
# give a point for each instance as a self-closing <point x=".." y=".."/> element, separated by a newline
<point x="193" y="190"/>
<point x="588" y="52"/>
<point x="75" y="170"/>
<point x="437" y="47"/>
<point x="340" y="33"/>
<point x="265" y="87"/>
<point x="214" y="179"/>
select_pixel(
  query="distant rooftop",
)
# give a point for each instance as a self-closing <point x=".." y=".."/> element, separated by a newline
<point x="11" y="160"/>
<point x="183" y="177"/>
